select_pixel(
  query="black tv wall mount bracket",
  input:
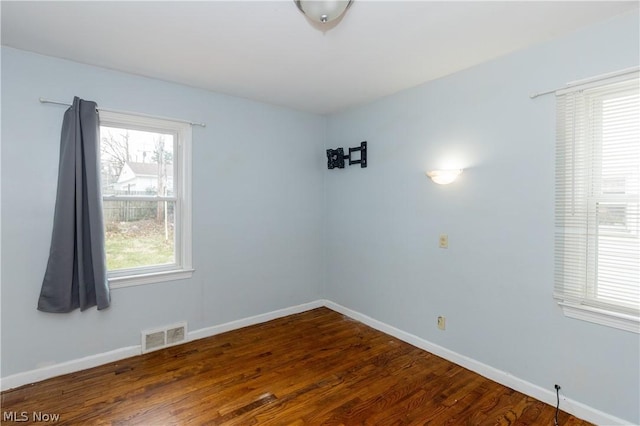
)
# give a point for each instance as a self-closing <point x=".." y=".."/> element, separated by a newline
<point x="336" y="157"/>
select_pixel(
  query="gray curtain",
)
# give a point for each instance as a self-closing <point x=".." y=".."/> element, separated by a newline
<point x="76" y="271"/>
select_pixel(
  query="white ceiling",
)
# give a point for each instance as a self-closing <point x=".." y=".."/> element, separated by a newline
<point x="268" y="51"/>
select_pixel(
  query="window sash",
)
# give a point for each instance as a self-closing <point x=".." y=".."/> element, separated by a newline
<point x="138" y="198"/>
<point x="598" y="179"/>
<point x="181" y="267"/>
<point x="176" y="255"/>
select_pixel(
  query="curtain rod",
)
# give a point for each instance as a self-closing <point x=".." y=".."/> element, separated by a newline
<point x="587" y="80"/>
<point x="49" y="101"/>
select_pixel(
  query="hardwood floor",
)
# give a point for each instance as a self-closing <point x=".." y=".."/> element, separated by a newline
<point x="314" y="368"/>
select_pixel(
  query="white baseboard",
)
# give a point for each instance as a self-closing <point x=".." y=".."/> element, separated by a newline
<point x="245" y="322"/>
<point x="573" y="407"/>
<point x="576" y="408"/>
<point x="96" y="360"/>
<point x="67" y="367"/>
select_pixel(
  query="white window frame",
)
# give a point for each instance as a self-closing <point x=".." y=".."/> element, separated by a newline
<point x="182" y="268"/>
<point x="581" y="307"/>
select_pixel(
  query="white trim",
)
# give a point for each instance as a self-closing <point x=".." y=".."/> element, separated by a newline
<point x="151" y="278"/>
<point x="601" y="316"/>
<point x="185" y="151"/>
<point x="257" y="319"/>
<point x="151" y="198"/>
<point x="72" y="366"/>
<point x="548" y="396"/>
<point x="576" y="408"/>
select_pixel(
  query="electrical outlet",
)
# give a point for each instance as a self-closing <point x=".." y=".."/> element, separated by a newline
<point x="441" y="323"/>
<point x="443" y="241"/>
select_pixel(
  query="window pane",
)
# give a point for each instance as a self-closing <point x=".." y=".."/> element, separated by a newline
<point x="139" y="233"/>
<point x="135" y="162"/>
<point x="618" y="242"/>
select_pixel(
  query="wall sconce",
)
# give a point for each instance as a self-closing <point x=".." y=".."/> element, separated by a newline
<point x="444" y="177"/>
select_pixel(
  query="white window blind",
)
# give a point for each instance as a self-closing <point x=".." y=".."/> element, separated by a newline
<point x="597" y="206"/>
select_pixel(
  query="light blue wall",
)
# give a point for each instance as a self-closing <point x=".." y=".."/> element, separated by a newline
<point x="257" y="210"/>
<point x="262" y="197"/>
<point x="494" y="283"/>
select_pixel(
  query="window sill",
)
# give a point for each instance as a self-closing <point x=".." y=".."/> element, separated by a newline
<point x="150" y="278"/>
<point x="601" y="316"/>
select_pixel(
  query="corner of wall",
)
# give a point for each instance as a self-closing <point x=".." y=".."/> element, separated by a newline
<point x="323" y="286"/>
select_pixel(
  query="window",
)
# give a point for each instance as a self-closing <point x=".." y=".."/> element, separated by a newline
<point x="146" y="193"/>
<point x="597" y="271"/>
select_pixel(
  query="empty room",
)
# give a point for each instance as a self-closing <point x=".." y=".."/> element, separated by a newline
<point x="320" y="212"/>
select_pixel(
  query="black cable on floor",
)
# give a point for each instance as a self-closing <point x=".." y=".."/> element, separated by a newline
<point x="555" y="420"/>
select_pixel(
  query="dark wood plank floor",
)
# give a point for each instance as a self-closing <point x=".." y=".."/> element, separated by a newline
<point x="314" y="368"/>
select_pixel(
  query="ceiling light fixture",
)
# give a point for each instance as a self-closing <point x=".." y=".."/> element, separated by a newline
<point x="444" y="177"/>
<point x="323" y="11"/>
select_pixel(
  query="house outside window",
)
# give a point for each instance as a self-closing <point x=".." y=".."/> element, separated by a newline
<point x="146" y="192"/>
